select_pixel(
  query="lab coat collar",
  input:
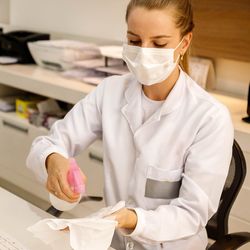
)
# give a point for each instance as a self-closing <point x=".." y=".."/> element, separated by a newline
<point x="175" y="97"/>
<point x="133" y="107"/>
<point x="173" y="100"/>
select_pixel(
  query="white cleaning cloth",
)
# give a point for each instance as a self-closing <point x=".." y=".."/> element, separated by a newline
<point x="90" y="233"/>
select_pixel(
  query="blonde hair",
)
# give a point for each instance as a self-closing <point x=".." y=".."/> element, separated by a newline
<point x="183" y="14"/>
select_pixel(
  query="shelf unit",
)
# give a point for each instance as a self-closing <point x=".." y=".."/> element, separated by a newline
<point x="17" y="135"/>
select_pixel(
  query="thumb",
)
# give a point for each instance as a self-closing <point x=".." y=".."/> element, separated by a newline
<point x="83" y="177"/>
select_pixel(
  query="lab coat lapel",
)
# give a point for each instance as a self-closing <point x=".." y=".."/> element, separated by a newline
<point x="133" y="107"/>
<point x="175" y="97"/>
<point x="132" y="110"/>
<point x="172" y="102"/>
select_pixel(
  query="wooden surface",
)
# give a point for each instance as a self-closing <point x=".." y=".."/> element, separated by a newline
<point x="222" y="29"/>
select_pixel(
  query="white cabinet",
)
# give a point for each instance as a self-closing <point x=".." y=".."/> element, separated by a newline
<point x="16" y="137"/>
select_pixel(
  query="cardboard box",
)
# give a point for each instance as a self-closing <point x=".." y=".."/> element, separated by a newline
<point x="23" y="104"/>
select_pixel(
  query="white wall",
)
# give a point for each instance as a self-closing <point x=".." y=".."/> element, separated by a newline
<point x="4" y="11"/>
<point x="232" y="76"/>
<point x="94" y="18"/>
<point x="106" y="19"/>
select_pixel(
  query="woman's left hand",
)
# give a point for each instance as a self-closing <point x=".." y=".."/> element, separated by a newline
<point x="126" y="218"/>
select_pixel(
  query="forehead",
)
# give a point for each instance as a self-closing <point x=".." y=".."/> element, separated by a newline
<point x="154" y="22"/>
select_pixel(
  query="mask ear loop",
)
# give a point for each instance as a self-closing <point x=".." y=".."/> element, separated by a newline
<point x="181" y="56"/>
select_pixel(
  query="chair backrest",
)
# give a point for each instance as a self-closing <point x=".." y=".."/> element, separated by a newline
<point x="217" y="226"/>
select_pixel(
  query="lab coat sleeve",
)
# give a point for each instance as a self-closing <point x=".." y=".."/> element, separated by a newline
<point x="206" y="166"/>
<point x="69" y="136"/>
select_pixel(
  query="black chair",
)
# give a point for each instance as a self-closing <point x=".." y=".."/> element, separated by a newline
<point x="217" y="226"/>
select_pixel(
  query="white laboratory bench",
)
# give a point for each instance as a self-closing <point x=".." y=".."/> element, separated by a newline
<point x="16" y="215"/>
<point x="48" y="83"/>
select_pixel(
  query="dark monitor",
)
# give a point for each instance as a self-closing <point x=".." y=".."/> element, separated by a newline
<point x="247" y="119"/>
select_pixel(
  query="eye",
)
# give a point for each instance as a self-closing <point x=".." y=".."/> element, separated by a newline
<point x="157" y="45"/>
<point x="134" y="42"/>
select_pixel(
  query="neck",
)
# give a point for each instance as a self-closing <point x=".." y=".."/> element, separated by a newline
<point x="160" y="91"/>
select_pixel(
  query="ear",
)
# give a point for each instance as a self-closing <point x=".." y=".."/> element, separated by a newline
<point x="186" y="42"/>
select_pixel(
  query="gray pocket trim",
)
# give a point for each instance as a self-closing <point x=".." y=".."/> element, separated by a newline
<point x="162" y="189"/>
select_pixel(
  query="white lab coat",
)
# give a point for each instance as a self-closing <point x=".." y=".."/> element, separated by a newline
<point x="171" y="169"/>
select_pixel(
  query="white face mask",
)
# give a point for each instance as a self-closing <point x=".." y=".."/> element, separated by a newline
<point x="150" y="65"/>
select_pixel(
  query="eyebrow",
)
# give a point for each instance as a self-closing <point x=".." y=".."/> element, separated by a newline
<point x="155" y="37"/>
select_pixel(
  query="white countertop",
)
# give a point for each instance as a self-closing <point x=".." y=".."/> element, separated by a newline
<point x="238" y="110"/>
<point x="16" y="215"/>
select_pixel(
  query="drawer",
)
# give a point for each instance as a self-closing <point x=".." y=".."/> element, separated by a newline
<point x="14" y="144"/>
<point x="16" y="138"/>
<point x="244" y="140"/>
<point x="241" y="207"/>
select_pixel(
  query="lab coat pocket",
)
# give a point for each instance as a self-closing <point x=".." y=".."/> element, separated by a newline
<point x="163" y="184"/>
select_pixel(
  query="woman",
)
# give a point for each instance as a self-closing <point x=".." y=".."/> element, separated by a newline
<point x="167" y="143"/>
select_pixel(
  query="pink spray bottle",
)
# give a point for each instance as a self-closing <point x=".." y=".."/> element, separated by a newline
<point x="77" y="186"/>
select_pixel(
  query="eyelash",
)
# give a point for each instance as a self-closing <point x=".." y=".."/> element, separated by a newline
<point x="137" y="43"/>
<point x="134" y="42"/>
<point x="160" y="45"/>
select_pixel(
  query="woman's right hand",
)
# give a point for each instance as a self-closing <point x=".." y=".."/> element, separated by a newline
<point x="57" y="184"/>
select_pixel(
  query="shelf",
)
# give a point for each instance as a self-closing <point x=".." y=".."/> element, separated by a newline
<point x="51" y="84"/>
<point x="44" y="82"/>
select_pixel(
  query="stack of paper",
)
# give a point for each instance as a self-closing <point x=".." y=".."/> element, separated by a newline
<point x="96" y="63"/>
<point x="85" y="75"/>
<point x="94" y="70"/>
<point x="114" y="70"/>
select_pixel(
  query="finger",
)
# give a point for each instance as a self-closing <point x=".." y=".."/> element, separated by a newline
<point x="83" y="177"/>
<point x="60" y="194"/>
<point x="50" y="186"/>
<point x="66" y="190"/>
